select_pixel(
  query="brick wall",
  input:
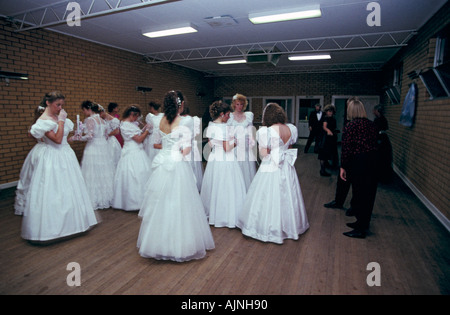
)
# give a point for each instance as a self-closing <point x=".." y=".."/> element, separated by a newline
<point x="422" y="151"/>
<point x="80" y="70"/>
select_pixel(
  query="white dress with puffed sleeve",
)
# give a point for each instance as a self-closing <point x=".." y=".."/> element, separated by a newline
<point x="274" y="209"/>
<point x="174" y="224"/>
<point x="133" y="171"/>
<point x="245" y="150"/>
<point x="114" y="145"/>
<point x="97" y="162"/>
<point x="153" y="127"/>
<point x="57" y="202"/>
<point x="223" y="188"/>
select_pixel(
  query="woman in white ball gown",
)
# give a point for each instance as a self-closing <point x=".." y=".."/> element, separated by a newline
<point x="152" y="119"/>
<point x="113" y="129"/>
<point x="242" y="127"/>
<point x="223" y="188"/>
<point x="27" y="169"/>
<point x="133" y="169"/>
<point x="194" y="158"/>
<point x="274" y="209"/>
<point x="57" y="204"/>
<point x="97" y="157"/>
<point x="174" y="225"/>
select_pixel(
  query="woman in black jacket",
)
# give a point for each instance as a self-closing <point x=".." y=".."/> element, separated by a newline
<point x="359" y="165"/>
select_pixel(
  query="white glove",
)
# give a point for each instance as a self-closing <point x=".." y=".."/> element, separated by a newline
<point x="62" y="115"/>
<point x="147" y="127"/>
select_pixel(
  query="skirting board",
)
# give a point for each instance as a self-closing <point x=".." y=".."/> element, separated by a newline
<point x="435" y="211"/>
<point x="9" y="185"/>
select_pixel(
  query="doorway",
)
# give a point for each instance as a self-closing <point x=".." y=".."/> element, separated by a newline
<point x="306" y="105"/>
<point x="285" y="102"/>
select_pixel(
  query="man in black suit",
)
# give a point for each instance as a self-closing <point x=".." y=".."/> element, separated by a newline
<point x="315" y="126"/>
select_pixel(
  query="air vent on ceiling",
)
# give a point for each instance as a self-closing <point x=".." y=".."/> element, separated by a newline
<point x="263" y="58"/>
<point x="221" y="21"/>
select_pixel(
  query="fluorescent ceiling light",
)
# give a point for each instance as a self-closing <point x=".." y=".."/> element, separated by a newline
<point x="285" y="15"/>
<point x="176" y="30"/>
<point x="309" y="57"/>
<point x="231" y="62"/>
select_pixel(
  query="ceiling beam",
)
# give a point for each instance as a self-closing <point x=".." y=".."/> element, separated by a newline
<point x="332" y="68"/>
<point x="395" y="39"/>
<point x="57" y="13"/>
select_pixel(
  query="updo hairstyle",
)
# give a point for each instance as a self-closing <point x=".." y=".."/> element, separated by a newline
<point x="172" y="104"/>
<point x="51" y="97"/>
<point x="217" y="108"/>
<point x="131" y="110"/>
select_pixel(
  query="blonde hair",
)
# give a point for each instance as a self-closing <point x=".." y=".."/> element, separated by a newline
<point x="239" y="97"/>
<point x="355" y="109"/>
<point x="330" y="107"/>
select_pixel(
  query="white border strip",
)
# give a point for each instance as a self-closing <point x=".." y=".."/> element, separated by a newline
<point x="435" y="211"/>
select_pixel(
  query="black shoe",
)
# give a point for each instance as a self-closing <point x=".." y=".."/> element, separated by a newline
<point x="333" y="204"/>
<point x="355" y="234"/>
<point x="350" y="212"/>
<point x="324" y="173"/>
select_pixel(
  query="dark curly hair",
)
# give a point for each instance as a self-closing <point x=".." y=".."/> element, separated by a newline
<point x="111" y="107"/>
<point x="131" y="109"/>
<point x="91" y="105"/>
<point x="217" y="108"/>
<point x="273" y="114"/>
<point x="87" y="104"/>
<point x="154" y="105"/>
<point x="172" y="103"/>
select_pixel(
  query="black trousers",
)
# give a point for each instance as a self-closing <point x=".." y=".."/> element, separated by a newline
<point x="362" y="174"/>
<point x="314" y="136"/>
<point x="342" y="189"/>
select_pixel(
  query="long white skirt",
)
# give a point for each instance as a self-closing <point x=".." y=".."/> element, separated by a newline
<point x="115" y="151"/>
<point x="26" y="173"/>
<point x="132" y="173"/>
<point x="274" y="209"/>
<point x="57" y="203"/>
<point x="223" y="192"/>
<point x="174" y="225"/>
<point x="98" y="172"/>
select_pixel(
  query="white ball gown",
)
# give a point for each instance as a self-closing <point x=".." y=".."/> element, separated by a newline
<point x="153" y="123"/>
<point x="223" y="188"/>
<point x="133" y="171"/>
<point x="195" y="158"/>
<point x="274" y="209"/>
<point x="174" y="225"/>
<point x="114" y="144"/>
<point x="243" y="132"/>
<point x="26" y="173"/>
<point x="96" y="164"/>
<point x="57" y="203"/>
